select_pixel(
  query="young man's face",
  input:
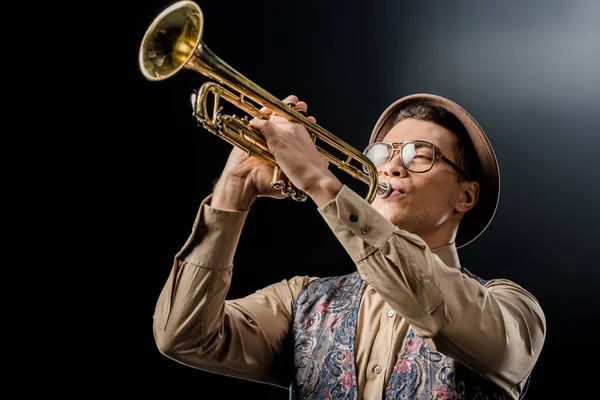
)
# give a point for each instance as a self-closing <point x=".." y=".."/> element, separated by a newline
<point x="421" y="202"/>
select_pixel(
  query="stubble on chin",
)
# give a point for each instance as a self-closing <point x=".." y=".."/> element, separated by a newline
<point x="402" y="218"/>
<point x="391" y="212"/>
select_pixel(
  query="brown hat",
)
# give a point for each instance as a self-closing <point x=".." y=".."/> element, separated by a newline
<point x="478" y="218"/>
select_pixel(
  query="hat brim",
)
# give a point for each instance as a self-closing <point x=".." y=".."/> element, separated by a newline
<point x="480" y="216"/>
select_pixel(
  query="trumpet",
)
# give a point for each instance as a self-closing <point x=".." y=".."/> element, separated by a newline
<point x="173" y="42"/>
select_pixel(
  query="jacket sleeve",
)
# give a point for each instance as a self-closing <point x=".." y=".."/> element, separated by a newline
<point x="196" y="325"/>
<point x="497" y="330"/>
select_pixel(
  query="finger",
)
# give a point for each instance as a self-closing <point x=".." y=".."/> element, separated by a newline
<point x="265" y="126"/>
<point x="291" y="100"/>
<point x="267" y="111"/>
<point x="276" y="119"/>
<point x="301" y="107"/>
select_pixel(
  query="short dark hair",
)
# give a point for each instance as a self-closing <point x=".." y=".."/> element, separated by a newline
<point x="464" y="151"/>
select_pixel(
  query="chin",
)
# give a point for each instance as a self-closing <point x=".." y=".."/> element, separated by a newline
<point x="391" y="213"/>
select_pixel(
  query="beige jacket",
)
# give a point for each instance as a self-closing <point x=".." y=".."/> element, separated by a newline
<point x="497" y="330"/>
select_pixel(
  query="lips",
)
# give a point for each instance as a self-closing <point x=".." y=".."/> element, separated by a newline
<point x="396" y="191"/>
<point x="397" y="188"/>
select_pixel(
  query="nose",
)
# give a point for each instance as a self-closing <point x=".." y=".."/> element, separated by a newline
<point x="393" y="168"/>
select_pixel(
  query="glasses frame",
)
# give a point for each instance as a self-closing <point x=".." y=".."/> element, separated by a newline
<point x="438" y="154"/>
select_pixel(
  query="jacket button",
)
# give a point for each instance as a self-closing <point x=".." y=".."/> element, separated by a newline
<point x="377" y="369"/>
<point x="364" y="230"/>
<point x="353" y="217"/>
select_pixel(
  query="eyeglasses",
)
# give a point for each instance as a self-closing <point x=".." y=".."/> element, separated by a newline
<point x="415" y="155"/>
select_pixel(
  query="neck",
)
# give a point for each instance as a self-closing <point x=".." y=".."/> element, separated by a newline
<point x="441" y="235"/>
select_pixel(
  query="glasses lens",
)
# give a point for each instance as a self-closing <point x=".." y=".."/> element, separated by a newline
<point x="418" y="156"/>
<point x="378" y="153"/>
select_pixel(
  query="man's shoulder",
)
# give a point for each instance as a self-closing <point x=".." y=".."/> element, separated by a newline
<point x="504" y="287"/>
<point x="478" y="278"/>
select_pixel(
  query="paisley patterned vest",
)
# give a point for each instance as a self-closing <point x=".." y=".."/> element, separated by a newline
<point x="325" y="316"/>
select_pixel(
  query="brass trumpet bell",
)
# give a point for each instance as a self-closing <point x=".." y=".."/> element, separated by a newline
<point x="174" y="42"/>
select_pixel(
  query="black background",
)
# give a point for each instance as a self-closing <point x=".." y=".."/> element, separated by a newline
<point x="527" y="71"/>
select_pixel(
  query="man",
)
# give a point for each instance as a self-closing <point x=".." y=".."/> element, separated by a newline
<point x="410" y="322"/>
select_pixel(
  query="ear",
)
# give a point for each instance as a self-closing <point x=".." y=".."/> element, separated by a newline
<point x="468" y="195"/>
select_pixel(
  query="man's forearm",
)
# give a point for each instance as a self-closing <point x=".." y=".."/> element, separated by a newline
<point x="211" y="246"/>
<point x="232" y="194"/>
<point x="324" y="189"/>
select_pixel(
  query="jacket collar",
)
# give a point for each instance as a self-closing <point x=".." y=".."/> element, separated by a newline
<point x="448" y="254"/>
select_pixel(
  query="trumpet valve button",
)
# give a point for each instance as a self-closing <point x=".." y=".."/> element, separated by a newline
<point x="288" y="191"/>
<point x="300" y="196"/>
<point x="278" y="185"/>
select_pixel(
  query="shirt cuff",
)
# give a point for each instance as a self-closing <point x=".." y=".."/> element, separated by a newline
<point x="214" y="238"/>
<point x="358" y="226"/>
